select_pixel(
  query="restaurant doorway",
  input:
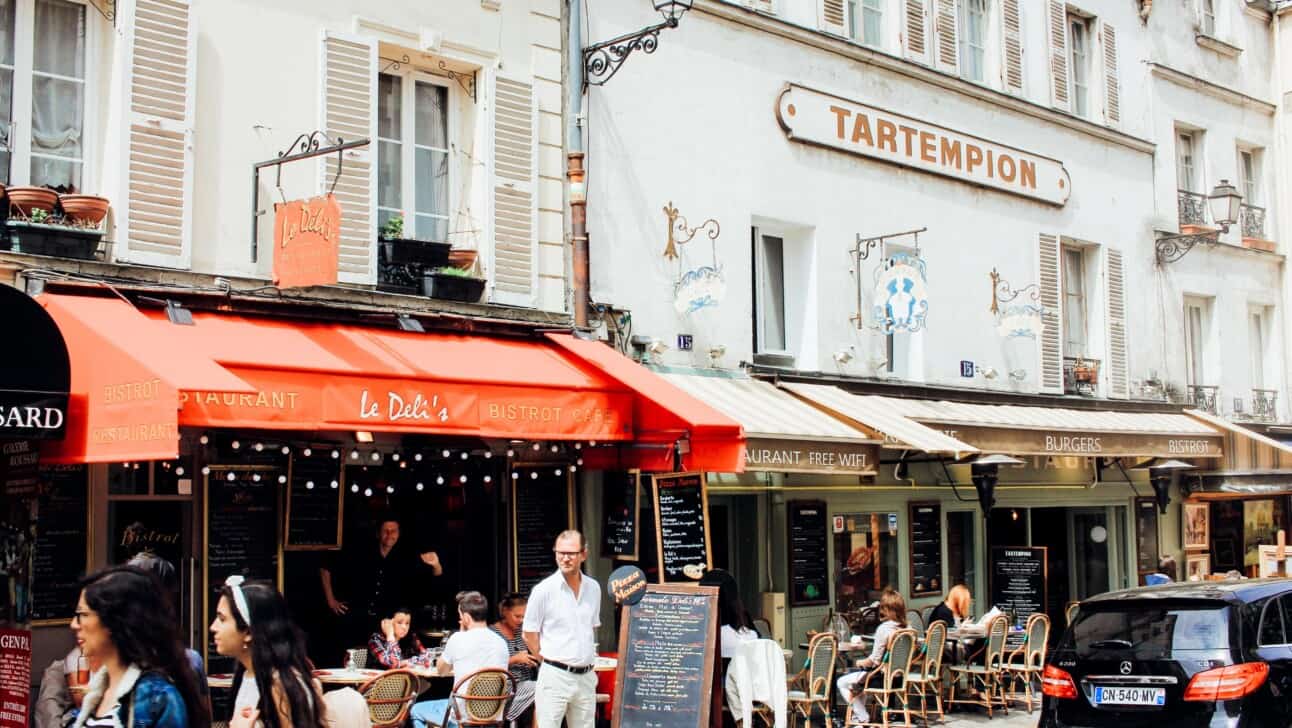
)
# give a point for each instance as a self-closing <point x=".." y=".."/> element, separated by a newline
<point x="734" y="539"/>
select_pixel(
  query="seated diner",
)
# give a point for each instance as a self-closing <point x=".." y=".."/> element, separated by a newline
<point x="892" y="612"/>
<point x="395" y="645"/>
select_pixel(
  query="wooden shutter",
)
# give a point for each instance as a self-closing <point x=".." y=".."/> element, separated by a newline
<point x="832" y="16"/>
<point x="1050" y="347"/>
<point x="1112" y="91"/>
<point x="914" y="34"/>
<point x="350" y="112"/>
<point x="1011" y="34"/>
<point x="515" y="192"/>
<point x="1059" y="55"/>
<point x="947" y="39"/>
<point x="158" y="210"/>
<point x="763" y="5"/>
<point x="1115" y="367"/>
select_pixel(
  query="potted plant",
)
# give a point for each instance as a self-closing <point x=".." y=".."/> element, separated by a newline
<point x="88" y="210"/>
<point x="399" y="250"/>
<point x="1086" y="372"/>
<point x="27" y="199"/>
<point x="55" y="234"/>
<point x="464" y="258"/>
<point x="453" y="284"/>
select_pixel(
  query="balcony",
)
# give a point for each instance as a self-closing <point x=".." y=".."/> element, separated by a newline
<point x="1265" y="403"/>
<point x="1081" y="376"/>
<point x="1204" y="398"/>
<point x="1251" y="220"/>
<point x="1192" y="207"/>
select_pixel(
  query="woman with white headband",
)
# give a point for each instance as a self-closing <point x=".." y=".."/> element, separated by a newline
<point x="272" y="681"/>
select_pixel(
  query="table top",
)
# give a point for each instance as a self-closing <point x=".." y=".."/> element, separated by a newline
<point x="342" y="676"/>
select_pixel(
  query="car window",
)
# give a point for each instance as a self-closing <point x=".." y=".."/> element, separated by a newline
<point x="1271" y="629"/>
<point x="1150" y="631"/>
<point x="1285" y="606"/>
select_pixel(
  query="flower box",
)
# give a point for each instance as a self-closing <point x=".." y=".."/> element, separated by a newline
<point x="452" y="287"/>
<point x="59" y="241"/>
<point x="403" y="251"/>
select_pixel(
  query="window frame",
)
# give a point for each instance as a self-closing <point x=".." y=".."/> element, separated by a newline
<point x="1073" y="347"/>
<point x="1207" y="17"/>
<point x="1079" y="63"/>
<point x="408" y="151"/>
<point x="967" y="46"/>
<point x="1186" y="178"/>
<point x="1249" y="175"/>
<point x="760" y="295"/>
<point x="1273" y="603"/>
<point x="862" y="8"/>
<point x="1258" y="342"/>
<point x="1195" y="343"/>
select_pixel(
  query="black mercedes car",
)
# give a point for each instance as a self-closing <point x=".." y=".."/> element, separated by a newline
<point x="1215" y="653"/>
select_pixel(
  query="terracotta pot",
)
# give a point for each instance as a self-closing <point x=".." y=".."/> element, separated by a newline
<point x="27" y="199"/>
<point x="86" y="209"/>
<point x="462" y="258"/>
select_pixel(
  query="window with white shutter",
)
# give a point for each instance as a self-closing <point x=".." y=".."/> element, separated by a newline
<point x="1058" y="36"/>
<point x="1115" y="296"/>
<point x="945" y="35"/>
<point x="1011" y="67"/>
<point x="157" y="217"/>
<point x="914" y="31"/>
<point x="1050" y="349"/>
<point x="349" y="113"/>
<point x="832" y="16"/>
<point x="515" y="192"/>
<point x="1112" y="91"/>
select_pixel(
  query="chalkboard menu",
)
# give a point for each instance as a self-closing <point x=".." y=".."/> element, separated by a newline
<point x="540" y="509"/>
<point x="620" y="534"/>
<point x="1146" y="553"/>
<point x="61" y="548"/>
<point x="926" y="549"/>
<point x="809" y="561"/>
<point x="682" y="517"/>
<point x="1018" y="580"/>
<point x="314" y="502"/>
<point x="666" y="658"/>
<point x="242" y="535"/>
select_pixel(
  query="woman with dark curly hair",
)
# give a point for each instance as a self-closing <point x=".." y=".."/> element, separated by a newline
<point x="273" y="681"/>
<point x="124" y="620"/>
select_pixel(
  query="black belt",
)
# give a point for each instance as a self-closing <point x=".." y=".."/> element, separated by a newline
<point x="583" y="670"/>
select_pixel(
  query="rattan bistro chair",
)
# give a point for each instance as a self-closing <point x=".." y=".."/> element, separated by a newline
<point x="359" y="656"/>
<point x="810" y="688"/>
<point x="485" y="696"/>
<point x="390" y="696"/>
<point x="1026" y="663"/>
<point x="987" y="677"/>
<point x="926" y="678"/>
<point x="887" y="685"/>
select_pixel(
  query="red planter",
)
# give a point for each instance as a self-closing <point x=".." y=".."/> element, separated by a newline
<point x="27" y="199"/>
<point x="84" y="209"/>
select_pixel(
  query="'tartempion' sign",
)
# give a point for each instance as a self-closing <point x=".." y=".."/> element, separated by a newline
<point x="815" y="117"/>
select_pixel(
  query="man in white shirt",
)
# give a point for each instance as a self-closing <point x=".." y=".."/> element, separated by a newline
<point x="560" y="626"/>
<point x="474" y="648"/>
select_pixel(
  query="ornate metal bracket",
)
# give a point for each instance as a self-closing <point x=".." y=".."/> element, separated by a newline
<point x="393" y="64"/>
<point x="468" y="83"/>
<point x="106" y="8"/>
<point x="864" y="245"/>
<point x="1003" y="292"/>
<point x="680" y="234"/>
<point x="602" y="60"/>
<point x="1170" y="248"/>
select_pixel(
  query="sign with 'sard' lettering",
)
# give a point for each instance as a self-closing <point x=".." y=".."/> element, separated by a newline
<point x="306" y="242"/>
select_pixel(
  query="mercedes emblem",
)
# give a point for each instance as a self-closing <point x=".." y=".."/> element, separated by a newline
<point x="1126" y="667"/>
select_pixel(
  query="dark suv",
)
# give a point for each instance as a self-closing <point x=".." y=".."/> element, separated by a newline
<point x="1216" y="653"/>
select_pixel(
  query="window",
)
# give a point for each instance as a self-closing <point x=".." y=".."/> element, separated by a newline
<point x="413" y="155"/>
<point x="1257" y="341"/>
<point x="1074" y="302"/>
<point x="865" y="555"/>
<point x="42" y="79"/>
<point x="1184" y="158"/>
<point x="1271" y="630"/>
<point x="1247" y="171"/>
<point x="870" y="28"/>
<point x="973" y="39"/>
<point x="770" y="268"/>
<point x="1079" y="48"/>
<point x="961" y="549"/>
<point x="1208" y="8"/>
<point x="1194" y="339"/>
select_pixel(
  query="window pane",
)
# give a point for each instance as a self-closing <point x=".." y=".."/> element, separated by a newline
<point x="1272" y="624"/>
<point x="59" y="39"/>
<point x="1184" y="161"/>
<point x="58" y="94"/>
<point x="961" y="548"/>
<point x="128" y="479"/>
<point x="431" y="227"/>
<point x="772" y="295"/>
<point x="872" y="26"/>
<point x="1074" y="302"/>
<point x="389" y="173"/>
<point x="1193" y="340"/>
<point x="390" y="106"/>
<point x="432" y="115"/>
<point x="6" y="31"/>
<point x="60" y="174"/>
<point x="865" y="555"/>
<point x="432" y="182"/>
<point x="1258" y="351"/>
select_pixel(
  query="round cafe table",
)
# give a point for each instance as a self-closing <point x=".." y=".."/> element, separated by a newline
<point x="220" y="680"/>
<point x="342" y="677"/>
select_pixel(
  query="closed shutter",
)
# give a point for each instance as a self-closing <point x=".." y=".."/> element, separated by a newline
<point x="515" y="192"/>
<point x="349" y="113"/>
<point x="158" y="217"/>
<point x="1059" y="55"/>
<point x="948" y="49"/>
<point x="1112" y="91"/>
<point x="1011" y="32"/>
<point x="1051" y="345"/>
<point x="832" y="16"/>
<point x="914" y="34"/>
<point x="1116" y="297"/>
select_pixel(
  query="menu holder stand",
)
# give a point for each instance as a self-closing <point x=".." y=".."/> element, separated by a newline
<point x="682" y="526"/>
<point x="667" y="657"/>
<point x="621" y="527"/>
<point x="926" y="549"/>
<point x="64" y="494"/>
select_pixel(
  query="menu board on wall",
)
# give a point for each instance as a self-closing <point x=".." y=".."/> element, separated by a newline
<point x="540" y="509"/>
<point x="809" y="560"/>
<point x="666" y="647"/>
<point x="315" y="502"/>
<point x="1018" y="576"/>
<point x="620" y="531"/>
<point x="682" y="519"/>
<point x="926" y="549"/>
<point x="242" y="535"/>
<point x="60" y="551"/>
<point x="1146" y="552"/>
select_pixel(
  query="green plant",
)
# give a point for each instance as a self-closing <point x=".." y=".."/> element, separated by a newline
<point x="394" y="228"/>
<point x="453" y="272"/>
<point x="40" y="216"/>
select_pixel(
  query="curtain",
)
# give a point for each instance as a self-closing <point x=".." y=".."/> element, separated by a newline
<point x="6" y="85"/>
<point x="58" y="95"/>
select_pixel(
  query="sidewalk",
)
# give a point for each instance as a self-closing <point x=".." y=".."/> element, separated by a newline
<point x="966" y="718"/>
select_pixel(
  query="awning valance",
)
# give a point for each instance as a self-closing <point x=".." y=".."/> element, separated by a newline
<point x="1244" y="449"/>
<point x="879" y="415"/>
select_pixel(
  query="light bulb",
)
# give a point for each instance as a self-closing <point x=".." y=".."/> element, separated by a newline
<point x="206" y="470"/>
<point x="573" y="468"/>
<point x="592" y="443"/>
<point x="309" y="485"/>
<point x="179" y="470"/>
<point x="511" y="453"/>
<point x="307" y="452"/>
<point x="462" y="478"/>
<point x="375" y="456"/>
<point x="354" y="454"/>
<point x="285" y="450"/>
<point x="367" y="492"/>
<point x="335" y="485"/>
<point x="514" y="475"/>
<point x="390" y="489"/>
<point x="403" y="464"/>
<point x="255" y="477"/>
<point x="235" y="444"/>
<point x="578" y="446"/>
<point x="445" y="453"/>
<point x="420" y="486"/>
<point x="556" y="448"/>
<point x="537" y="446"/>
<point x="204" y="439"/>
<point x="488" y="454"/>
<point x="354" y="489"/>
<point x="336" y="454"/>
<point x="533" y="475"/>
<point x="282" y="479"/>
<point x="418" y="457"/>
<point x="439" y="480"/>
<point x="231" y="477"/>
<point x="260" y="447"/>
<point x="466" y="455"/>
<point x="579" y="461"/>
<point x="488" y="478"/>
<point x="558" y="471"/>
<point x="394" y="456"/>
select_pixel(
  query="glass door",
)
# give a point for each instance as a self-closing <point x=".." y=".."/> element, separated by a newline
<point x="1090" y="542"/>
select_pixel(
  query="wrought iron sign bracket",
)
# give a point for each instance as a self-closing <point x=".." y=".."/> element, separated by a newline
<point x="1003" y="292"/>
<point x="602" y="60"/>
<point x="1170" y="248"/>
<point x="679" y="233"/>
<point x="465" y="80"/>
<point x="306" y="146"/>
<point x="864" y="245"/>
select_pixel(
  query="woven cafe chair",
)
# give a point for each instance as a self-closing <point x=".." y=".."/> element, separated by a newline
<point x="481" y="698"/>
<point x="811" y="686"/>
<point x="1070" y="611"/>
<point x="1025" y="663"/>
<point x="390" y="697"/>
<point x="987" y="677"/>
<point x="926" y="677"/>
<point x="357" y="655"/>
<point x="887" y="685"/>
<point x="915" y="620"/>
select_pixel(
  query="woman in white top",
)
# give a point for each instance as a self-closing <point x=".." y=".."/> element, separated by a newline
<point x="273" y="682"/>
<point x="892" y="610"/>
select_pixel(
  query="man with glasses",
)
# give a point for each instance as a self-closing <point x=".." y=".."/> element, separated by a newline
<point x="560" y="626"/>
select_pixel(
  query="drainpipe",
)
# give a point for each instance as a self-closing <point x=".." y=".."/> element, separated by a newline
<point x="574" y="165"/>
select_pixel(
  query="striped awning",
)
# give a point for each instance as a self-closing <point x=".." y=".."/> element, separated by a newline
<point x="880" y="415"/>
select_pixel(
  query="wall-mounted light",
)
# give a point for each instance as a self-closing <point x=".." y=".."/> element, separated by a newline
<point x="603" y="60"/>
<point x="984" y="471"/>
<point x="716" y="352"/>
<point x="362" y="436"/>
<point x="1161" y="472"/>
<point x="1225" y="203"/>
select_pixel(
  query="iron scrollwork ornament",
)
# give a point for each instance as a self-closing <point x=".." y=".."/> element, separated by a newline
<point x="1025" y="319"/>
<point x="680" y="234"/>
<point x="603" y="60"/>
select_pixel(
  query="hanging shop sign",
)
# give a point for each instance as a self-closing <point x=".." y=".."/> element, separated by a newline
<point x="306" y="242"/>
<point x="821" y="119"/>
<point x="901" y="294"/>
<point x="765" y="454"/>
<point x="1016" y="441"/>
<point x="32" y="415"/>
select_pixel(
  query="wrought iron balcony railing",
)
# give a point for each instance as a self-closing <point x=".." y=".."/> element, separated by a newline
<point x="1265" y="404"/>
<point x="1192" y="207"/>
<point x="1205" y="398"/>
<point x="1252" y="220"/>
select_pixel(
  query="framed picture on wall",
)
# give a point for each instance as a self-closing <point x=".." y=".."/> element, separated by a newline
<point x="1197" y="566"/>
<point x="1197" y="526"/>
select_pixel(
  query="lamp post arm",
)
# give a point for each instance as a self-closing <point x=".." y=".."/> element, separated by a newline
<point x="602" y="60"/>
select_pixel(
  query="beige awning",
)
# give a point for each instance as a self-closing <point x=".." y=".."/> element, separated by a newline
<point x="1246" y="451"/>
<point x="881" y="416"/>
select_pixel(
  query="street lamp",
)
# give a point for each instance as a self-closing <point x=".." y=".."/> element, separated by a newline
<point x="1160" y="474"/>
<point x="602" y="60"/>
<point x="672" y="10"/>
<point x="984" y="470"/>
<point x="1224" y="203"/>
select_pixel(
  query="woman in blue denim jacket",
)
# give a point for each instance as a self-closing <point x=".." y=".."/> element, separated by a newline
<point x="124" y="620"/>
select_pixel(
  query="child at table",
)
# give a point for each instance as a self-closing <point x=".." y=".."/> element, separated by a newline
<point x="892" y="610"/>
<point x="396" y="645"/>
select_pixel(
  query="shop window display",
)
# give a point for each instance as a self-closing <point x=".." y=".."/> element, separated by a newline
<point x="865" y="559"/>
